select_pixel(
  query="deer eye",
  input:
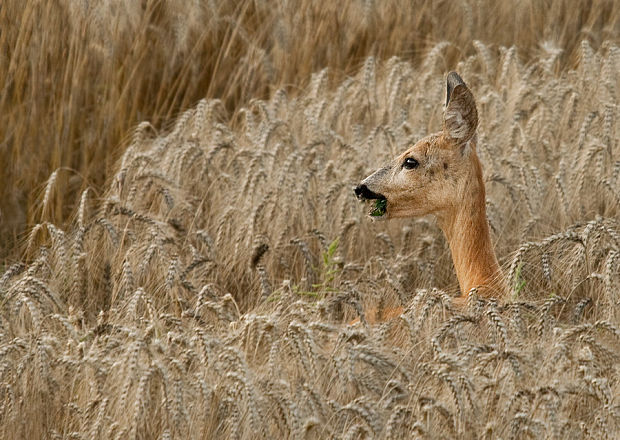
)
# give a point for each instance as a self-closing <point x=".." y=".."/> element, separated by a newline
<point x="410" y="163"/>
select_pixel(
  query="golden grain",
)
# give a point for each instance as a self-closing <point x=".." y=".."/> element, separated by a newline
<point x="200" y="285"/>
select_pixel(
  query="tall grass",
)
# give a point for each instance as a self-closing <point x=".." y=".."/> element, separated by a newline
<point x="76" y="75"/>
<point x="207" y="295"/>
<point x="203" y="291"/>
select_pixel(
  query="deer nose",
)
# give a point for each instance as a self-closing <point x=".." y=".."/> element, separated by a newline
<point x="362" y="192"/>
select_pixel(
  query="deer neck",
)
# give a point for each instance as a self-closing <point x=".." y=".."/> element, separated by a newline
<point x="467" y="231"/>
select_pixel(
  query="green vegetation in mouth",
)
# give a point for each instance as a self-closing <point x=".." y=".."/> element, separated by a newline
<point x="379" y="209"/>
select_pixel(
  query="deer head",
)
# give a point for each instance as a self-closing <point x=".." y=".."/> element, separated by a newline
<point x="432" y="175"/>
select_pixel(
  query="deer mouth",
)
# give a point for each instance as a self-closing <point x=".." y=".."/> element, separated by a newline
<point x="379" y="201"/>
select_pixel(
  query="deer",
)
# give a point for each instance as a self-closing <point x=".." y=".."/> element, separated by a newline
<point x="441" y="175"/>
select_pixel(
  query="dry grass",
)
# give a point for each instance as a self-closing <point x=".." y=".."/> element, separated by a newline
<point x="75" y="76"/>
<point x="204" y="293"/>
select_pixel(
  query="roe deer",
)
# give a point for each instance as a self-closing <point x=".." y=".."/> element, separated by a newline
<point x="441" y="175"/>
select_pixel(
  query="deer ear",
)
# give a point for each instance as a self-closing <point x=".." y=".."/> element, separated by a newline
<point x="460" y="118"/>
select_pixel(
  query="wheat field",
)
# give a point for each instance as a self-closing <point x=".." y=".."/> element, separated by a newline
<point x="76" y="76"/>
<point x="201" y="286"/>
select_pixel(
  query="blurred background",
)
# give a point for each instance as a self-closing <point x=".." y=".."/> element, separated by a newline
<point x="76" y="75"/>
